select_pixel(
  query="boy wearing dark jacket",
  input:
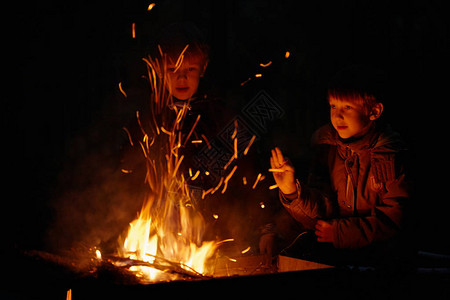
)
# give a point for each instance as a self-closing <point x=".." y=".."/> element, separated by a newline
<point x="356" y="191"/>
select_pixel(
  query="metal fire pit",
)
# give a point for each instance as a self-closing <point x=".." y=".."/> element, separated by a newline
<point x="254" y="265"/>
<point x="240" y="276"/>
<point x="44" y="276"/>
<point x="41" y="275"/>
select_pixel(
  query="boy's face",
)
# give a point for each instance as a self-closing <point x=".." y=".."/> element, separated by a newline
<point x="350" y="119"/>
<point x="183" y="82"/>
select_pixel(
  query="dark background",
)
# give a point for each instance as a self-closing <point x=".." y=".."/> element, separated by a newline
<point x="63" y="60"/>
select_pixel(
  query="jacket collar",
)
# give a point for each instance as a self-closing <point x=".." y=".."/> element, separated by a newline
<point x="360" y="144"/>
<point x="380" y="138"/>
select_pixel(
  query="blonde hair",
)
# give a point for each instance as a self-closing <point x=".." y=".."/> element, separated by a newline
<point x="359" y="84"/>
<point x="367" y="100"/>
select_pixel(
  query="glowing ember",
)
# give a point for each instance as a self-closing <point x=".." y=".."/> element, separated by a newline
<point x="69" y="295"/>
<point x="196" y="175"/>
<point x="244" y="82"/>
<point x="228" y="178"/>
<point x="273" y="187"/>
<point x="266" y="64"/>
<point x="249" y="144"/>
<point x="98" y="254"/>
<point x="121" y="89"/>
<point x="258" y="179"/>
<point x="246" y="250"/>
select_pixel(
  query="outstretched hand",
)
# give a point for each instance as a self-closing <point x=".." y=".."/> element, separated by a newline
<point x="283" y="172"/>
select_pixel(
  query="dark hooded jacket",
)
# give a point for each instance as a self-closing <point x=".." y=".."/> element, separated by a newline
<point x="358" y="185"/>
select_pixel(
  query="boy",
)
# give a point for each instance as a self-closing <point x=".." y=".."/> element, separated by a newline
<point x="356" y="191"/>
<point x="184" y="78"/>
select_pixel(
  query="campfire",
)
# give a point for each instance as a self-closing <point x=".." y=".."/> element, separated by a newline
<point x="167" y="241"/>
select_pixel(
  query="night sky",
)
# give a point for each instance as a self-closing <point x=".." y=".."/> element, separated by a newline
<point x="64" y="60"/>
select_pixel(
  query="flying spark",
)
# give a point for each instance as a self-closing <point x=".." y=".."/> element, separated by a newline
<point x="121" y="90"/>
<point x="246" y="250"/>
<point x="196" y="175"/>
<point x="257" y="180"/>
<point x="273" y="187"/>
<point x="266" y="64"/>
<point x="225" y="185"/>
<point x="249" y="144"/>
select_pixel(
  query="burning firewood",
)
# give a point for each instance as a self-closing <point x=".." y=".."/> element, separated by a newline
<point x="160" y="263"/>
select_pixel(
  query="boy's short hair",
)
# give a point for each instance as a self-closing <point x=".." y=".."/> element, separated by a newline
<point x="175" y="37"/>
<point x="358" y="84"/>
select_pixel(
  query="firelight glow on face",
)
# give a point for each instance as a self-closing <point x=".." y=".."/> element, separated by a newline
<point x="184" y="79"/>
<point x="350" y="119"/>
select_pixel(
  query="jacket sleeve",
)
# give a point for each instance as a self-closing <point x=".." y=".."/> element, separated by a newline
<point x="313" y="200"/>
<point x="307" y="205"/>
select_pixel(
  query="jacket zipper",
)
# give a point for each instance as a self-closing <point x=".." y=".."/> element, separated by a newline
<point x="351" y="183"/>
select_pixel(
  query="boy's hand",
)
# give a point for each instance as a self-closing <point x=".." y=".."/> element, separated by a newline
<point x="266" y="245"/>
<point x="284" y="176"/>
<point x="324" y="232"/>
